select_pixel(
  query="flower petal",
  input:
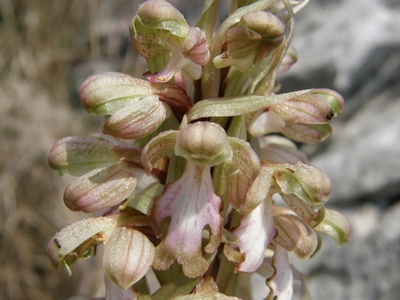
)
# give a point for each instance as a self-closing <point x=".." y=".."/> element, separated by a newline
<point x="136" y="120"/>
<point x="336" y="226"/>
<point x="307" y="133"/>
<point x="64" y="242"/>
<point x="76" y="238"/>
<point x="195" y="46"/>
<point x="293" y="233"/>
<point x="203" y="143"/>
<point x="306" y="109"/>
<point x="128" y="255"/>
<point x="108" y="92"/>
<point x="206" y="289"/>
<point x="158" y="147"/>
<point x="245" y="196"/>
<point x="265" y="122"/>
<point x="245" y="158"/>
<point x="78" y="155"/>
<point x="256" y="226"/>
<point x="281" y="283"/>
<point x="305" y="181"/>
<point x="281" y="150"/>
<point x="191" y="204"/>
<point x="311" y="214"/>
<point x="100" y="188"/>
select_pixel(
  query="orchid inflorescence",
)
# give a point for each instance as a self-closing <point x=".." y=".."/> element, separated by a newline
<point x="197" y="175"/>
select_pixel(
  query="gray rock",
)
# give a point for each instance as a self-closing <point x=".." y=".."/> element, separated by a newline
<point x="355" y="50"/>
<point x="367" y="267"/>
<point x="362" y="159"/>
<point x="339" y="35"/>
<point x="354" y="47"/>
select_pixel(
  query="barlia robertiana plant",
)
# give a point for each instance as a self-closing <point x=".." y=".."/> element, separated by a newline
<point x="197" y="175"/>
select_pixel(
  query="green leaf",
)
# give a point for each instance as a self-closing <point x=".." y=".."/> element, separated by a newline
<point x="235" y="106"/>
<point x="208" y="18"/>
<point x="179" y="285"/>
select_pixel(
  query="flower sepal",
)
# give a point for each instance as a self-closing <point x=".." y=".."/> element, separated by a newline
<point x="336" y="226"/>
<point x="293" y="234"/>
<point x="77" y="156"/>
<point x="128" y="255"/>
<point x="103" y="187"/>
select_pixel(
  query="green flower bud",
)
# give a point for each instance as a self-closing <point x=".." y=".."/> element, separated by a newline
<point x="157" y="27"/>
<point x="256" y="36"/>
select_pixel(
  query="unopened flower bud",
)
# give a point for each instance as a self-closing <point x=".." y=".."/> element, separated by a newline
<point x="79" y="155"/>
<point x="128" y="255"/>
<point x="156" y="27"/>
<point x="306" y="182"/>
<point x="136" y="120"/>
<point x="100" y="188"/>
<point x="203" y="142"/>
<point x="308" y="108"/>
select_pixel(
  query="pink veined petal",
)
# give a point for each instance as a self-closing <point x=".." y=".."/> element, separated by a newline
<point x="281" y="283"/>
<point x="192" y="204"/>
<point x="256" y="226"/>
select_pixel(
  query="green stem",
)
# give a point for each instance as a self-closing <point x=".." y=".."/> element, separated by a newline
<point x="225" y="272"/>
<point x="208" y="18"/>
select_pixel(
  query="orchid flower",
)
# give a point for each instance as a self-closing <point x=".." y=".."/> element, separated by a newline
<point x="190" y="179"/>
<point x="128" y="253"/>
<point x="190" y="202"/>
<point x="160" y="34"/>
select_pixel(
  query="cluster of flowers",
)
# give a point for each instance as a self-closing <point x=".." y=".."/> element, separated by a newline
<point x="194" y="160"/>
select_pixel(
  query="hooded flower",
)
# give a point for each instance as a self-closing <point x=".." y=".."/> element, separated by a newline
<point x="107" y="171"/>
<point x="128" y="253"/>
<point x="303" y="118"/>
<point x="137" y="107"/>
<point x="161" y="35"/>
<point x="256" y="36"/>
<point x="190" y="202"/>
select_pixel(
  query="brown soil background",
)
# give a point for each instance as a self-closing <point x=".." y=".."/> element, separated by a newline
<point x="47" y="48"/>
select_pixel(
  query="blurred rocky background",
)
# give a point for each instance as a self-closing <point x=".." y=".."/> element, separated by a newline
<point x="47" y="48"/>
